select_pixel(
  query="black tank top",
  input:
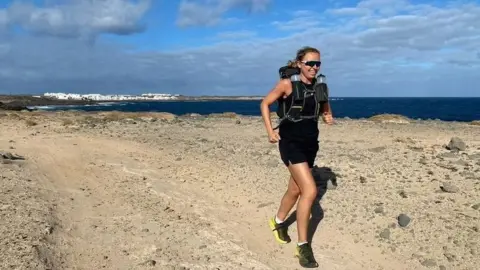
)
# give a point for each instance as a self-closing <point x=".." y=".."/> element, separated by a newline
<point x="307" y="129"/>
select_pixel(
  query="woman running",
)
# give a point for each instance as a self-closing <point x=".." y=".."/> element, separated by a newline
<point x="298" y="145"/>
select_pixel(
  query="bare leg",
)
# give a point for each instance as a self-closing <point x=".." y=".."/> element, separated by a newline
<point x="308" y="191"/>
<point x="289" y="199"/>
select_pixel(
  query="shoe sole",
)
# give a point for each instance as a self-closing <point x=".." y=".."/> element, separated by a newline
<point x="271" y="223"/>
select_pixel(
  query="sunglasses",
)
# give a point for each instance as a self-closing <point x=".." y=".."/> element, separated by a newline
<point x="312" y="63"/>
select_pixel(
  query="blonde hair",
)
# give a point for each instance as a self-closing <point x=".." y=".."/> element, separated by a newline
<point x="300" y="54"/>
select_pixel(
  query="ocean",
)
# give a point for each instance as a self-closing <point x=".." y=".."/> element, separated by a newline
<point x="446" y="109"/>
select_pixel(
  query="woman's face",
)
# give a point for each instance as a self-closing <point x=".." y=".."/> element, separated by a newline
<point x="310" y="65"/>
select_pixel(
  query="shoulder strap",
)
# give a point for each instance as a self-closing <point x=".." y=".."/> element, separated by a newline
<point x="298" y="97"/>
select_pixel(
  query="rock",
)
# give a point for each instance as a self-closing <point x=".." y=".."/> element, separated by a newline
<point x="460" y="162"/>
<point x="378" y="149"/>
<point x="385" y="234"/>
<point x="10" y="156"/>
<point x="449" y="188"/>
<point x="423" y="161"/>
<point x="415" y="148"/>
<point x="450" y="257"/>
<point x="476" y="206"/>
<point x="474" y="156"/>
<point x="363" y="179"/>
<point x="264" y="204"/>
<point x="379" y="210"/>
<point x="403" y="194"/>
<point x="14" y="106"/>
<point x="223" y="115"/>
<point x="447" y="166"/>
<point x="130" y="121"/>
<point x="429" y="263"/>
<point x="447" y="155"/>
<point x="149" y="263"/>
<point x="403" y="220"/>
<point x="441" y="267"/>
<point x="456" y="144"/>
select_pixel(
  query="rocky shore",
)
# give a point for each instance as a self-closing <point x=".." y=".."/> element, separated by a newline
<point x="118" y="190"/>
<point x="23" y="102"/>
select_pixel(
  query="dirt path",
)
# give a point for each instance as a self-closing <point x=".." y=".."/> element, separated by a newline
<point x="121" y="209"/>
<point x="117" y="212"/>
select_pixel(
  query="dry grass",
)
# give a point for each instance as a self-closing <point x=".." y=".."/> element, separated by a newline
<point x="223" y="115"/>
<point x="475" y="123"/>
<point x="67" y="122"/>
<point x="396" y="118"/>
<point x="30" y="122"/>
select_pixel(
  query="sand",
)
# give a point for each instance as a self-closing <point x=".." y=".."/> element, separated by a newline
<point x="158" y="191"/>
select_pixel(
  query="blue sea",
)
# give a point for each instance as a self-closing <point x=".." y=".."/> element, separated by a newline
<point x="447" y="109"/>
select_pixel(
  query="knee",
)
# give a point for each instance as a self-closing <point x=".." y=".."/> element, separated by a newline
<point x="309" y="193"/>
<point x="293" y="191"/>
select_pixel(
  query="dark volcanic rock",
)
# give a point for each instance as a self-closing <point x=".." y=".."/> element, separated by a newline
<point x="21" y="102"/>
<point x="13" y="107"/>
<point x="403" y="220"/>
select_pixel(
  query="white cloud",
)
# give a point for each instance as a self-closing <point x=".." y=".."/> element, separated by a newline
<point x="208" y="13"/>
<point x="79" y="18"/>
<point x="371" y="50"/>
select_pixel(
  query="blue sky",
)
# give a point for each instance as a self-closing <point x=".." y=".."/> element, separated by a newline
<point x="235" y="47"/>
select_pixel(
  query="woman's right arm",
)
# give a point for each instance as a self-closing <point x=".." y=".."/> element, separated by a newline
<point x="270" y="98"/>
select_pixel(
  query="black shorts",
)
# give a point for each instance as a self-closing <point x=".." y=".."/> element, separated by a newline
<point x="293" y="152"/>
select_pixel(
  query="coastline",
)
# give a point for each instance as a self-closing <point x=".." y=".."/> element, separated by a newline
<point x="31" y="103"/>
<point x="23" y="102"/>
<point x="19" y="102"/>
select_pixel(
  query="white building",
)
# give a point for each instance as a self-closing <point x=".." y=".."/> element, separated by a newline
<point x="100" y="97"/>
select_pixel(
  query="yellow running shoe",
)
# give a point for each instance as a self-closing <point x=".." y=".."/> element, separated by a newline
<point x="305" y="256"/>
<point x="279" y="231"/>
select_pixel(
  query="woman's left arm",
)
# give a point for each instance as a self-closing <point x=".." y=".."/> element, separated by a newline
<point x="326" y="108"/>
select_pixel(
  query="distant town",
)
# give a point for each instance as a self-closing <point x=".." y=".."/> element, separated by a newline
<point x="100" y="97"/>
<point x="146" y="97"/>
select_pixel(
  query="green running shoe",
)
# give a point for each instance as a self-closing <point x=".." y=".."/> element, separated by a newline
<point x="279" y="231"/>
<point x="305" y="256"/>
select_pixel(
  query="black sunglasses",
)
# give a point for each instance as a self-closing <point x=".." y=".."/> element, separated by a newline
<point x="312" y="63"/>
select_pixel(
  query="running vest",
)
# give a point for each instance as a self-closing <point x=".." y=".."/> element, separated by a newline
<point x="294" y="112"/>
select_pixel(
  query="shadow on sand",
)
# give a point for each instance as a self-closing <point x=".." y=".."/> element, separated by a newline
<point x="322" y="176"/>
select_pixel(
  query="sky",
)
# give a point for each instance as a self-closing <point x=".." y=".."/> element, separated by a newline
<point x="379" y="48"/>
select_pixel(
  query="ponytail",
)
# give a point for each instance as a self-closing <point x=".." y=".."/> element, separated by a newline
<point x="291" y="64"/>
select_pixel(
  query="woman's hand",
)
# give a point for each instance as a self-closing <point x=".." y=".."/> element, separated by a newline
<point x="327" y="118"/>
<point x="273" y="136"/>
<point x="272" y="96"/>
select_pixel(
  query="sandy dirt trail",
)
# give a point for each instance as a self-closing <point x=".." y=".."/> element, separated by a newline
<point x="121" y="207"/>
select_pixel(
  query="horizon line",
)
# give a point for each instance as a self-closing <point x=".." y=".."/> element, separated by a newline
<point x="233" y="96"/>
